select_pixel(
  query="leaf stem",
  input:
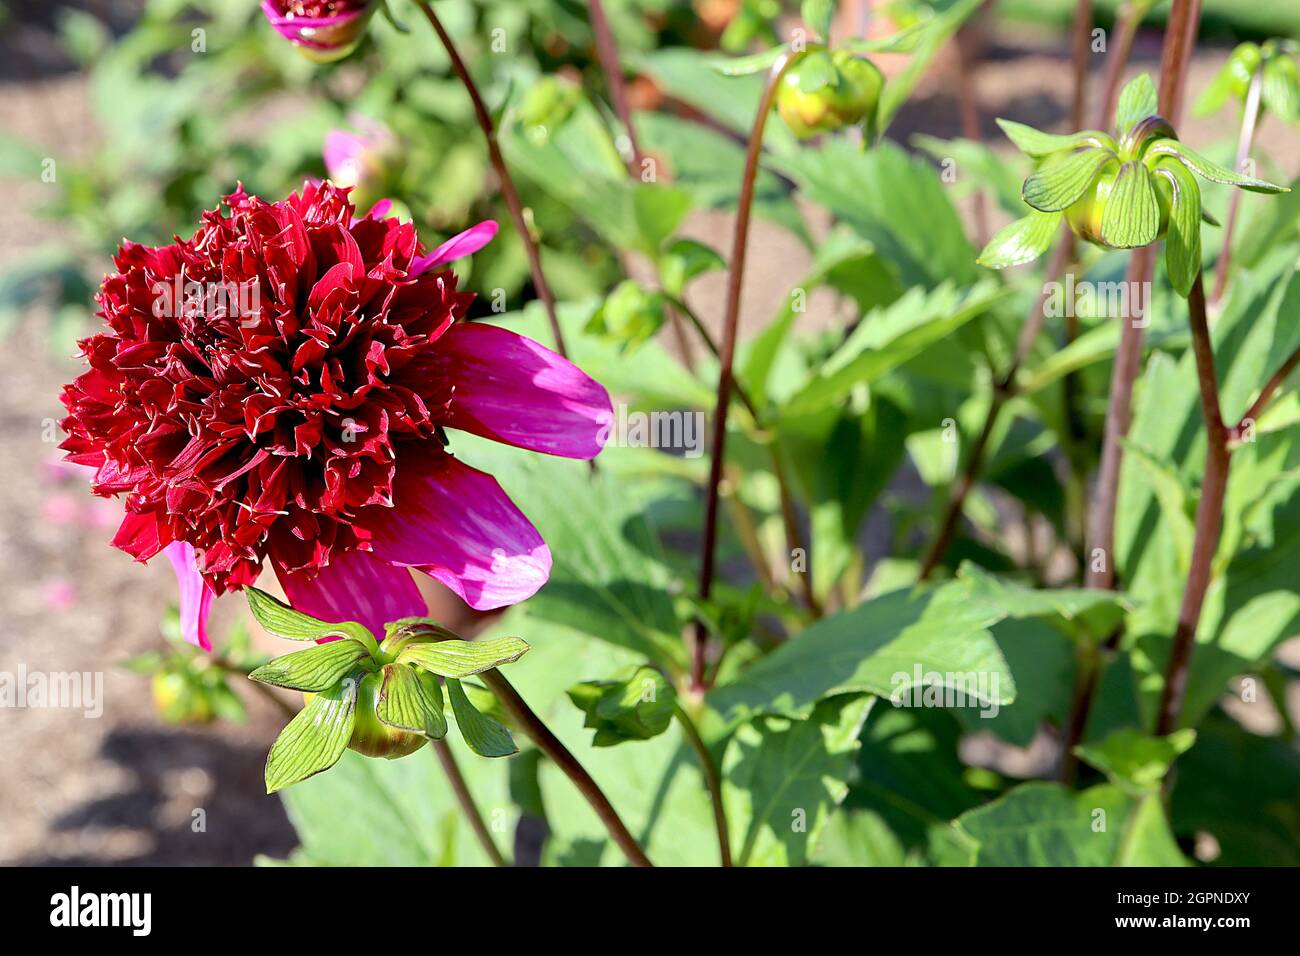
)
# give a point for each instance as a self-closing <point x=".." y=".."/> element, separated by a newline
<point x="726" y="355"/>
<point x="1246" y="139"/>
<point x="466" y="800"/>
<point x="711" y="778"/>
<point x="1209" y="517"/>
<point x="560" y="755"/>
<point x="607" y="53"/>
<point x="504" y="179"/>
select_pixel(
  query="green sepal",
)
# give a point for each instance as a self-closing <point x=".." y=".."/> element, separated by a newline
<point x="281" y="620"/>
<point x="1036" y="143"/>
<point x="1137" y="101"/>
<point x="1183" y="241"/>
<point x="1208" y="170"/>
<point x="483" y="735"/>
<point x="1132" y="215"/>
<point x="1022" y="241"/>
<point x="637" y="707"/>
<point x="457" y="658"/>
<point x="411" y="700"/>
<point x="315" y="669"/>
<point x="315" y="739"/>
<point x="1063" y="178"/>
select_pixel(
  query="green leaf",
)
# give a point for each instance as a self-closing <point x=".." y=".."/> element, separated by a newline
<point x="1099" y="609"/>
<point x="1281" y="88"/>
<point x="630" y="316"/>
<point x="1209" y="170"/>
<point x="1064" y="178"/>
<point x="684" y="260"/>
<point x="783" y="778"/>
<point x="410" y="700"/>
<point x="458" y="658"/>
<point x="1022" y="241"/>
<point x="637" y="707"/>
<point x="1045" y="824"/>
<point x="880" y="647"/>
<point x="1036" y="143"/>
<point x="281" y="620"/>
<point x="745" y="65"/>
<point x="316" y="669"/>
<point x="1132" y="215"/>
<point x="932" y="37"/>
<point x="1137" y="101"/>
<point x="483" y="735"/>
<point x="1136" y="761"/>
<point x="904" y="41"/>
<point x="315" y="739"/>
<point x="1183" y="241"/>
<point x="818" y="14"/>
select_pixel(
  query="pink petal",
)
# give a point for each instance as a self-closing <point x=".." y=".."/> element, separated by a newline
<point x="354" y="586"/>
<point x="343" y="155"/>
<point x="379" y="210"/>
<point x="456" y="524"/>
<point x="513" y="390"/>
<point x="141" y="536"/>
<point x="196" y="596"/>
<point x="457" y="247"/>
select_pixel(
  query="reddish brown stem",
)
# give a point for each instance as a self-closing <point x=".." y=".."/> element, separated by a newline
<point x="560" y="755"/>
<point x="1236" y="433"/>
<point x="1249" y="123"/>
<point x="727" y="352"/>
<point x="506" y="182"/>
<point x="466" y="800"/>
<point x="607" y="53"/>
<point x="1209" y="518"/>
<point x="968" y="110"/>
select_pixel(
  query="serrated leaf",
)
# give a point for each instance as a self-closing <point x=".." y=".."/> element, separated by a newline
<point x="1183" y="240"/>
<point x="410" y="700"/>
<point x="1022" y="241"/>
<point x="1135" y="761"/>
<point x="315" y="739"/>
<point x="1209" y="170"/>
<point x="316" y="669"/>
<point x="281" y="620"/>
<point x="458" y="658"/>
<point x="1064" y="178"/>
<point x="483" y="735"/>
<point x="1132" y="215"/>
<point x="1036" y="143"/>
<point x="1137" y="101"/>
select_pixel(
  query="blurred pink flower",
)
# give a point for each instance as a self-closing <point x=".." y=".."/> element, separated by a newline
<point x="322" y="30"/>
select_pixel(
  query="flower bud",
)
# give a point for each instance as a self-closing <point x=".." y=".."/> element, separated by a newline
<point x="372" y="737"/>
<point x="367" y="161"/>
<point x="322" y="30"/>
<point x="823" y="92"/>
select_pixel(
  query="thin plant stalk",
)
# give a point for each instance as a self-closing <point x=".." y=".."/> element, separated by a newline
<point x="505" y="180"/>
<point x="726" y="356"/>
<point x="1245" y="140"/>
<point x="1126" y="30"/>
<point x="466" y="800"/>
<point x="711" y="779"/>
<point x="560" y="755"/>
<point x="789" y="515"/>
<point x="969" y="113"/>
<point x="607" y="53"/>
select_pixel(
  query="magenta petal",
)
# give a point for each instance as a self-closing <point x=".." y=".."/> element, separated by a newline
<point x="457" y="247"/>
<point x="456" y="524"/>
<point x="196" y="596"/>
<point x="343" y="154"/>
<point x="354" y="586"/>
<point x="513" y="390"/>
<point x="379" y="210"/>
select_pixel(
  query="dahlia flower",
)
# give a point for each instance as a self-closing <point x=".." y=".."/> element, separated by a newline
<point x="303" y="421"/>
<point x="323" y="30"/>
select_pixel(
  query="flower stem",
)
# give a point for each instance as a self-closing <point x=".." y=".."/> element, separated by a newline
<point x="560" y="755"/>
<point x="727" y="352"/>
<point x="1249" y="124"/>
<point x="466" y="800"/>
<point x="711" y="778"/>
<point x="607" y="53"/>
<point x="1209" y="517"/>
<point x="507" y="183"/>
<point x="1126" y="30"/>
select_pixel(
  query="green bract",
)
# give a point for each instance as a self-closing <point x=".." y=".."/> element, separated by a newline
<point x="638" y="706"/>
<point x="1274" y="63"/>
<point x="382" y="700"/>
<point x="1121" y="192"/>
